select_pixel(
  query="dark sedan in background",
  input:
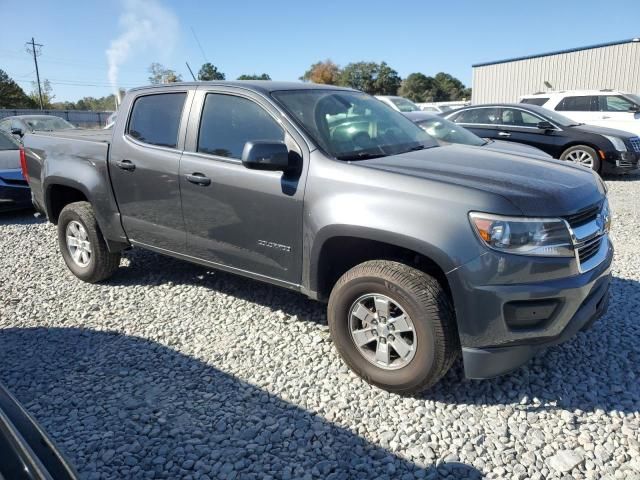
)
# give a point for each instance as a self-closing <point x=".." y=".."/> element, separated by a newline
<point x="14" y="190"/>
<point x="445" y="132"/>
<point x="604" y="150"/>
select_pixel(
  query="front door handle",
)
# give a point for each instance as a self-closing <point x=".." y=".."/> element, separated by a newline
<point x="504" y="134"/>
<point x="126" y="165"/>
<point x="198" y="179"/>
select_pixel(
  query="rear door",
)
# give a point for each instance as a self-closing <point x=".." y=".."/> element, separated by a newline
<point x="144" y="164"/>
<point x="483" y="121"/>
<point x="581" y="108"/>
<point x="247" y="220"/>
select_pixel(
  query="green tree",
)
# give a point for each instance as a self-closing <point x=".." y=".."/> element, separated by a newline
<point x="264" y="76"/>
<point x="371" y="77"/>
<point x="47" y="93"/>
<point x="327" y="73"/>
<point x="361" y="76"/>
<point x="387" y="80"/>
<point x="209" y="71"/>
<point x="447" y="87"/>
<point x="160" y="74"/>
<point x="11" y="95"/>
<point x="416" y="87"/>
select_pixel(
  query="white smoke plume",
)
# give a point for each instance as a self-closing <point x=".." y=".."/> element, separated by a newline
<point x="144" y="25"/>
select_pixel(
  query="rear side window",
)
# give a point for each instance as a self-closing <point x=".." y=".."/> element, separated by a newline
<point x="155" y="119"/>
<point x="228" y="122"/>
<point x="583" y="103"/>
<point x="535" y="101"/>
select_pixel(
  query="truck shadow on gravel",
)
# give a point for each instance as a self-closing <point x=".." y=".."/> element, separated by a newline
<point x="125" y="407"/>
<point x="598" y="369"/>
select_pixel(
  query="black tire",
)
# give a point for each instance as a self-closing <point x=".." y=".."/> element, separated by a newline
<point x="102" y="263"/>
<point x="577" y="148"/>
<point x="422" y="298"/>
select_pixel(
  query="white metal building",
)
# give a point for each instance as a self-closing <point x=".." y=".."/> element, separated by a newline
<point x="614" y="65"/>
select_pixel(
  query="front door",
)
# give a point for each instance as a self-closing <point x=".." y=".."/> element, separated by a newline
<point x="144" y="167"/>
<point x="246" y="220"/>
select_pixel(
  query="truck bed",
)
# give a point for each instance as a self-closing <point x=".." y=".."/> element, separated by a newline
<point x="103" y="136"/>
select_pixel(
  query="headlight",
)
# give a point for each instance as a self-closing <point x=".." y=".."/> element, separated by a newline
<point x="523" y="236"/>
<point x="618" y="144"/>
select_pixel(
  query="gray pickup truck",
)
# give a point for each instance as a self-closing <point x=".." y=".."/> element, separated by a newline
<point x="422" y="251"/>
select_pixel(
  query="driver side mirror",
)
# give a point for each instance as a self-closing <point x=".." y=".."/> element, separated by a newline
<point x="634" y="108"/>
<point x="544" y="125"/>
<point x="17" y="131"/>
<point x="266" y="155"/>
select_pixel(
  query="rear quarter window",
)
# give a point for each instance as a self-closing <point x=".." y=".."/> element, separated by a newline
<point x="155" y="119"/>
<point x="535" y="101"/>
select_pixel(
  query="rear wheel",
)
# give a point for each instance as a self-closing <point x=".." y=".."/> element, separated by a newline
<point x="82" y="246"/>
<point x="393" y="325"/>
<point x="582" y="155"/>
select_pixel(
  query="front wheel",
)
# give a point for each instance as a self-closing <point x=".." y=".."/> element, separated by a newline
<point x="393" y="325"/>
<point x="582" y="155"/>
<point x="83" y="249"/>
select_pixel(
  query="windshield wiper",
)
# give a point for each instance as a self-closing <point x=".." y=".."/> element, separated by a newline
<point x="361" y="156"/>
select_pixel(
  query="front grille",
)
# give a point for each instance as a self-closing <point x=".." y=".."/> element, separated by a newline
<point x="583" y="217"/>
<point x="635" y="143"/>
<point x="588" y="250"/>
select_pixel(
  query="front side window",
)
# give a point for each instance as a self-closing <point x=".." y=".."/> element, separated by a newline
<point x="519" y="118"/>
<point x="155" y="119"/>
<point x="582" y="103"/>
<point x="352" y="125"/>
<point x="481" y="116"/>
<point x="614" y="103"/>
<point x="229" y="122"/>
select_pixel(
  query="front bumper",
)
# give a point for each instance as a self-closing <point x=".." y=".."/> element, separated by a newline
<point x="621" y="162"/>
<point x="496" y="314"/>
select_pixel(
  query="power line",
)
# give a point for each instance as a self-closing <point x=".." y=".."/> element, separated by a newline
<point x="35" y="51"/>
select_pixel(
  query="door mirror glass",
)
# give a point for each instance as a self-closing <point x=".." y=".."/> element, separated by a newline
<point x="266" y="155"/>
<point x="544" y="125"/>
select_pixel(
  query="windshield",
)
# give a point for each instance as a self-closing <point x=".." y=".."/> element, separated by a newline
<point x="449" y="132"/>
<point x="404" y="105"/>
<point x="353" y="125"/>
<point x="557" y="118"/>
<point x="48" y="123"/>
<point x="634" y="98"/>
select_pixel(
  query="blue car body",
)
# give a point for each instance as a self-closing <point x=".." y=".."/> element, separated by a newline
<point x="14" y="189"/>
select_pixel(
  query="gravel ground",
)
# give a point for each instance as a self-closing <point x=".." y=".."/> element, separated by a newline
<point x="170" y="370"/>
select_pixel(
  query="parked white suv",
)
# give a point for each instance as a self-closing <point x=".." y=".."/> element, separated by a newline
<point x="606" y="108"/>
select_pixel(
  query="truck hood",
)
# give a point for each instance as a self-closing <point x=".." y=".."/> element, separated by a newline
<point x="515" y="148"/>
<point x="536" y="186"/>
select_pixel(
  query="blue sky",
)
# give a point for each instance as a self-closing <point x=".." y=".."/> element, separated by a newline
<point x="282" y="38"/>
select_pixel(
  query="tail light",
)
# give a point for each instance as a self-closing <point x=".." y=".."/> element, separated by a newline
<point x="23" y="164"/>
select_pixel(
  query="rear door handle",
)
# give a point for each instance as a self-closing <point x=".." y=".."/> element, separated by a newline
<point x="198" y="179"/>
<point x="126" y="165"/>
<point x="504" y="134"/>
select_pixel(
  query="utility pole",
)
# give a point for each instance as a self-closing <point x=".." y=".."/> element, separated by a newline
<point x="191" y="72"/>
<point x="35" y="52"/>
